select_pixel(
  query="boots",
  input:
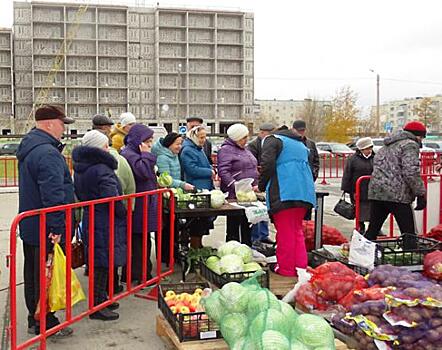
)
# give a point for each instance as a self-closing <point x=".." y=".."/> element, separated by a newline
<point x="101" y="276"/>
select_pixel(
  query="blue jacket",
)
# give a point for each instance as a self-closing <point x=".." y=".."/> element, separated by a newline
<point x="94" y="178"/>
<point x="169" y="162"/>
<point x="44" y="181"/>
<point x="286" y="175"/>
<point x="196" y="167"/>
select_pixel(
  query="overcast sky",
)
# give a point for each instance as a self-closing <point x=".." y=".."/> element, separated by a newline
<point x="310" y="48"/>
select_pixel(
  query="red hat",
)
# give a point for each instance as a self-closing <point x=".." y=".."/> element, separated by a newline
<point x="416" y="128"/>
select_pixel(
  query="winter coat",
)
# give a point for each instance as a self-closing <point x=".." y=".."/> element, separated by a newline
<point x="396" y="170"/>
<point x="357" y="166"/>
<point x="124" y="174"/>
<point x="117" y="137"/>
<point x="95" y="178"/>
<point x="255" y="147"/>
<point x="286" y="175"/>
<point x="207" y="149"/>
<point x="235" y="163"/>
<point x="169" y="162"/>
<point x="143" y="168"/>
<point x="196" y="167"/>
<point x="313" y="156"/>
<point x="44" y="181"/>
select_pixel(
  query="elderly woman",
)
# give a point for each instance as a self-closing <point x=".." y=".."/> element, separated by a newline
<point x="359" y="164"/>
<point x="137" y="151"/>
<point x="199" y="173"/>
<point x="236" y="162"/>
<point x="95" y="178"/>
<point x="167" y="150"/>
<point x="288" y="181"/>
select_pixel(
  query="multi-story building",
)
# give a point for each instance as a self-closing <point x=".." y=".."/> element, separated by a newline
<point x="397" y="113"/>
<point x="284" y="112"/>
<point x="6" y="82"/>
<point x="162" y="64"/>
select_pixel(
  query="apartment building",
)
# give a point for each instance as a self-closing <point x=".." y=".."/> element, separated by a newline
<point x="6" y="82"/>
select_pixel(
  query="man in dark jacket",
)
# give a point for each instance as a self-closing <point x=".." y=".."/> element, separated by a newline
<point x="396" y="182"/>
<point x="44" y="181"/>
<point x="207" y="148"/>
<point x="102" y="123"/>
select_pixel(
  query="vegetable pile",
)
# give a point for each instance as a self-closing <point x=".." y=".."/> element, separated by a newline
<point x="330" y="235"/>
<point x="408" y="317"/>
<point x="433" y="265"/>
<point x="246" y="196"/>
<point x="252" y="318"/>
<point x="232" y="257"/>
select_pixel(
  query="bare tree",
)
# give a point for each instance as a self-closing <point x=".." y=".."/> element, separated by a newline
<point x="312" y="112"/>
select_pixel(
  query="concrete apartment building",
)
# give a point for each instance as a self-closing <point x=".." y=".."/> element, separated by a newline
<point x="283" y="112"/>
<point x="162" y="64"/>
<point x="6" y="82"/>
<point x="397" y="113"/>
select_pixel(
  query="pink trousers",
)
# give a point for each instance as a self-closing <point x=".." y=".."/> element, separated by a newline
<point x="290" y="249"/>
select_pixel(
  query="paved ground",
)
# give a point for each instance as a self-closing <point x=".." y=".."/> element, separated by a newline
<point x="136" y="327"/>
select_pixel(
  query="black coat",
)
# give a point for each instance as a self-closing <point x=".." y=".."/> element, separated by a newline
<point x="44" y="181"/>
<point x="313" y="156"/>
<point x="94" y="178"/>
<point x="357" y="166"/>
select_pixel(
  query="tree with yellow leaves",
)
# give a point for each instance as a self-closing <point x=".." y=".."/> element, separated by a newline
<point x="341" y="120"/>
<point x="426" y="112"/>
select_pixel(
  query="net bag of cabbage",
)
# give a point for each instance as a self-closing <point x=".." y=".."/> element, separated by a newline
<point x="252" y="318"/>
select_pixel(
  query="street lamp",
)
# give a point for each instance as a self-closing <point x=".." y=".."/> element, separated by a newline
<point x="378" y="117"/>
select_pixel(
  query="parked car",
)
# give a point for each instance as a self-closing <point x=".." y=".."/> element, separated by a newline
<point x="335" y="148"/>
<point x="8" y="149"/>
<point x="435" y="145"/>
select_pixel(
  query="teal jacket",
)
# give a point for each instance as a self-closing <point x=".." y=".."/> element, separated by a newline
<point x="168" y="162"/>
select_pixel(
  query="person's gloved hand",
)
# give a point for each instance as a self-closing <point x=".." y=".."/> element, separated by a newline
<point x="421" y="203"/>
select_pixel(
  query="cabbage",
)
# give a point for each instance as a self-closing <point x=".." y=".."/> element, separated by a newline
<point x="213" y="307"/>
<point x="268" y="320"/>
<point x="227" y="248"/>
<point x="233" y="327"/>
<point x="165" y="180"/>
<point x="244" y="344"/>
<point x="251" y="267"/>
<point x="230" y="264"/>
<point x="212" y="263"/>
<point x="313" y="331"/>
<point x="273" y="340"/>
<point x="234" y="297"/>
<point x="217" y="199"/>
<point x="245" y="252"/>
<point x="288" y="312"/>
<point x="261" y="301"/>
<point x="295" y="344"/>
<point x="248" y="196"/>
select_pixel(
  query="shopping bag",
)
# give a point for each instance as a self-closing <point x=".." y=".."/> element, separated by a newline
<point x="57" y="288"/>
<point x="244" y="190"/>
<point x="257" y="213"/>
<point x="362" y="251"/>
<point x="345" y="209"/>
<point x="77" y="251"/>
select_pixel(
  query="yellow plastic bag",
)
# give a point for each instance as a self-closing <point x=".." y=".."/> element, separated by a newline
<point x="57" y="289"/>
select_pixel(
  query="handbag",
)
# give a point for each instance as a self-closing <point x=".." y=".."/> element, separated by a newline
<point x="77" y="251"/>
<point x="344" y="208"/>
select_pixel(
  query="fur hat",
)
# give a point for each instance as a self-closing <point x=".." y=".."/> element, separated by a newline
<point x="364" y="143"/>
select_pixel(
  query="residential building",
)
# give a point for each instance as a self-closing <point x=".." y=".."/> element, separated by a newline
<point x="162" y="64"/>
<point x="6" y="98"/>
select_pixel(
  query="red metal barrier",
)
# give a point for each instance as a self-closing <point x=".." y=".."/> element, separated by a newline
<point x="426" y="178"/>
<point x="67" y="211"/>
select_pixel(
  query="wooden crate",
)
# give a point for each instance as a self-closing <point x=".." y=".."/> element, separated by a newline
<point x="281" y="285"/>
<point x="165" y="331"/>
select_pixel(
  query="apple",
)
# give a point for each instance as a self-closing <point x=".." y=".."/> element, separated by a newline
<point x="184" y="297"/>
<point x="174" y="309"/>
<point x="190" y="329"/>
<point x="170" y="293"/>
<point x="184" y="309"/>
<point x="171" y="303"/>
<point x="198" y="291"/>
<point x="170" y="298"/>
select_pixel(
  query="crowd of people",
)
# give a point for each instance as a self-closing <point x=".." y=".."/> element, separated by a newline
<point x="123" y="159"/>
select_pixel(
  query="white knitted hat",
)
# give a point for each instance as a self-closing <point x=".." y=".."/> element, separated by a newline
<point x="237" y="132"/>
<point x="127" y="118"/>
<point x="95" y="138"/>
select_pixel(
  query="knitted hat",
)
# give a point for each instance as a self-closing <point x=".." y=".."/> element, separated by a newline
<point x="237" y="132"/>
<point x="364" y="143"/>
<point x="170" y="139"/>
<point x="299" y="125"/>
<point x="416" y="128"/>
<point x="94" y="138"/>
<point x="127" y="118"/>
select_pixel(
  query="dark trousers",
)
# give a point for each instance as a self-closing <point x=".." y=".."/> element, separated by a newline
<point x="238" y="229"/>
<point x="31" y="272"/>
<point x="137" y="256"/>
<point x="101" y="284"/>
<point x="165" y="240"/>
<point x="403" y="213"/>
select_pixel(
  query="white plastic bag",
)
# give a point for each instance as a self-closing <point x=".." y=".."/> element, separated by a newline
<point x="362" y="251"/>
<point x="303" y="278"/>
<point x="257" y="213"/>
<point x="244" y="191"/>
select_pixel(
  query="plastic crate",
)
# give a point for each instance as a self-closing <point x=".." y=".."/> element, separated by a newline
<point x="221" y="280"/>
<point x="191" y="326"/>
<point x="197" y="201"/>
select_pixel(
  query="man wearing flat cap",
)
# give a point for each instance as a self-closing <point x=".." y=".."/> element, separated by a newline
<point x="102" y="123"/>
<point x="191" y="122"/>
<point x="255" y="146"/>
<point x="44" y="181"/>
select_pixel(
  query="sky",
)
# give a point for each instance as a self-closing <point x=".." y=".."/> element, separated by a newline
<point x="311" y="48"/>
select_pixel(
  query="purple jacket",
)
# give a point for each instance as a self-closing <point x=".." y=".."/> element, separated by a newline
<point x="235" y="163"/>
<point x="142" y="165"/>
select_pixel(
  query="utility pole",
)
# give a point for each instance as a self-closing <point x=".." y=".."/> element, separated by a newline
<point x="178" y="98"/>
<point x="378" y="115"/>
